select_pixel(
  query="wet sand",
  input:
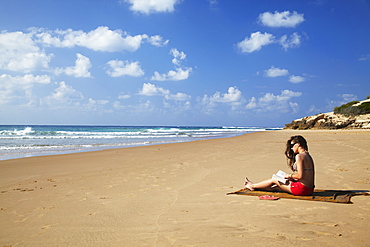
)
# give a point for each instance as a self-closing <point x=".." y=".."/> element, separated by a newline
<point x="175" y="195"/>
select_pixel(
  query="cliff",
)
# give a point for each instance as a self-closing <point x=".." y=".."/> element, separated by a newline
<point x="353" y="119"/>
<point x="331" y="121"/>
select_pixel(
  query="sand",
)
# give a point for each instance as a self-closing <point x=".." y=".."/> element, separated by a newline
<point x="175" y="195"/>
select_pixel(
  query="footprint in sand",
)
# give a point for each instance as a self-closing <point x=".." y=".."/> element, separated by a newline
<point x="330" y="224"/>
<point x="23" y="220"/>
<point x="24" y="189"/>
<point x="16" y="213"/>
<point x="322" y="233"/>
<point x="281" y="237"/>
<point x="92" y="213"/>
<point x="47" y="227"/>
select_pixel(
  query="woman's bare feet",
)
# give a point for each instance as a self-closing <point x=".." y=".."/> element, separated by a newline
<point x="248" y="184"/>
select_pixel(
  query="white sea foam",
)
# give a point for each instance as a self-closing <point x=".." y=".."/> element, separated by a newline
<point x="25" y="141"/>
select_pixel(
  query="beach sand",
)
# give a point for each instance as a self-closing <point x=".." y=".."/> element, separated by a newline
<point x="175" y="195"/>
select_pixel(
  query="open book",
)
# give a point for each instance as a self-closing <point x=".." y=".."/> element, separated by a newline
<point x="280" y="176"/>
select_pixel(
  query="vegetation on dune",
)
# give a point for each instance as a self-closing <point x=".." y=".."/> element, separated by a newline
<point x="352" y="109"/>
<point x="365" y="107"/>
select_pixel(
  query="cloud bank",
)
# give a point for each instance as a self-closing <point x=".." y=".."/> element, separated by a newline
<point x="100" y="39"/>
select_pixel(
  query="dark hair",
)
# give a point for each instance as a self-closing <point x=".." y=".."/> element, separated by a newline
<point x="289" y="152"/>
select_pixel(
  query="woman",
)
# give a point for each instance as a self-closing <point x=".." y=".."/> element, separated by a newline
<point x="302" y="181"/>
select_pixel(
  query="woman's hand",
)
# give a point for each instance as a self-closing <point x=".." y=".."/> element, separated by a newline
<point x="289" y="177"/>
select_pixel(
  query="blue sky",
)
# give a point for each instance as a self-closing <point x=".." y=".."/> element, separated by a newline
<point x="180" y="62"/>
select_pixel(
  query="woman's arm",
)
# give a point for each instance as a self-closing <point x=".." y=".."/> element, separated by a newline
<point x="299" y="174"/>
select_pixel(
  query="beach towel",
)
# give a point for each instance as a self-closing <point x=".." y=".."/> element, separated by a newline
<point x="337" y="196"/>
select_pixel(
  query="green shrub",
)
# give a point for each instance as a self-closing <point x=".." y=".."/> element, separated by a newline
<point x="365" y="107"/>
<point x="350" y="110"/>
<point x="344" y="108"/>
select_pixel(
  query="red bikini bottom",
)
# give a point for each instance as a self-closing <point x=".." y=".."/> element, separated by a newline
<point x="299" y="189"/>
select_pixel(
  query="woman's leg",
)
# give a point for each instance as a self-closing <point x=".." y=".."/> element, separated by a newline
<point x="268" y="185"/>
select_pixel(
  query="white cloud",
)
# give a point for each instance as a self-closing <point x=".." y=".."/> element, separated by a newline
<point x="177" y="56"/>
<point x="252" y="103"/>
<point x="294" y="106"/>
<point x="157" y="40"/>
<point x="207" y="103"/>
<point x="100" y="39"/>
<point x="119" y="68"/>
<point x="124" y="96"/>
<point x="213" y="2"/>
<point x="20" y="53"/>
<point x="284" y="96"/>
<point x="26" y="80"/>
<point x="347" y="97"/>
<point x="152" y="6"/>
<point x="271" y="102"/>
<point x="233" y="95"/>
<point x="178" y="75"/>
<point x="66" y="97"/>
<point x="255" y="42"/>
<point x="174" y="75"/>
<point x="275" y="72"/>
<point x="233" y="99"/>
<point x="81" y="68"/>
<point x="178" y="96"/>
<point x="149" y="89"/>
<point x="94" y="105"/>
<point x="13" y="88"/>
<point x="296" y="79"/>
<point x="63" y="96"/>
<point x="364" y="57"/>
<point x="293" y="41"/>
<point x="281" y="19"/>
<point x="313" y="109"/>
<point x="138" y="109"/>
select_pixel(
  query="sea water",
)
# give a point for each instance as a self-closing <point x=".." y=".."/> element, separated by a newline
<point x="18" y="141"/>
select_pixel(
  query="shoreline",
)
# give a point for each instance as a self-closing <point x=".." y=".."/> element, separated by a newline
<point x="175" y="194"/>
<point x="110" y="147"/>
<point x="113" y="147"/>
<point x="40" y="140"/>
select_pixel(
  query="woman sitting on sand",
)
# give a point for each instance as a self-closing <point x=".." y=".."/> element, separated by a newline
<point x="299" y="183"/>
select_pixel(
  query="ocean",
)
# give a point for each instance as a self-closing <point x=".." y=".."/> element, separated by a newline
<point x="19" y="141"/>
